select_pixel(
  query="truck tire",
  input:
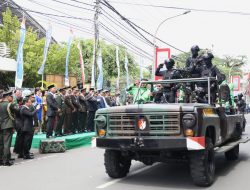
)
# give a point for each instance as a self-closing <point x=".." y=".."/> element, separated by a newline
<point x="202" y="165"/>
<point x="117" y="166"/>
<point x="233" y="154"/>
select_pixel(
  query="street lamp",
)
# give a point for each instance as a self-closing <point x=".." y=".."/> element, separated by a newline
<point x="154" y="40"/>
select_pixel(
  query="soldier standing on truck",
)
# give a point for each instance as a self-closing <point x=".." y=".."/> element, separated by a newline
<point x="210" y="70"/>
<point x="194" y="68"/>
<point x="169" y="90"/>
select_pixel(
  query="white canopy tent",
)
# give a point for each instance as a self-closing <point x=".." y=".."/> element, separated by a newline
<point x="7" y="64"/>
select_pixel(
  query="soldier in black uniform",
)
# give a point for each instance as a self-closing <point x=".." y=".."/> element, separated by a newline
<point x="61" y="114"/>
<point x="241" y="104"/>
<point x="210" y="70"/>
<point x="194" y="63"/>
<point x="169" y="90"/>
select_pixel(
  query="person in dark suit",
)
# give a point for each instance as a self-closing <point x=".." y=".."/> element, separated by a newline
<point x="18" y="127"/>
<point x="92" y="105"/>
<point x="69" y="109"/>
<point x="82" y="114"/>
<point x="27" y="115"/>
<point x="77" y="106"/>
<point x="52" y="109"/>
<point x="107" y="97"/>
<point x="60" y="115"/>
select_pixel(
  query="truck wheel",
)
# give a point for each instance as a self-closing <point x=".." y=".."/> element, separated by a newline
<point x="233" y="154"/>
<point x="117" y="166"/>
<point x="202" y="165"/>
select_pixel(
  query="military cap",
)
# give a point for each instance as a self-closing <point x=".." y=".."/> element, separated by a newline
<point x="61" y="89"/>
<point x="7" y="93"/>
<point x="83" y="89"/>
<point x="29" y="95"/>
<point x="51" y="86"/>
<point x="80" y="85"/>
<point x="25" y="99"/>
<point x="91" y="88"/>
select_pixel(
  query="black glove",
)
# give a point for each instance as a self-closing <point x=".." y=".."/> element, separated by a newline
<point x="161" y="65"/>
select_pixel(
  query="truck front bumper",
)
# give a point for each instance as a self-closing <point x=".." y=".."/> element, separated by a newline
<point x="151" y="143"/>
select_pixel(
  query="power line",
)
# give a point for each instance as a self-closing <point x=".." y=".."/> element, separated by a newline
<point x="82" y="3"/>
<point x="32" y="1"/>
<point x="184" y="8"/>
<point x="122" y="39"/>
<point x="125" y="19"/>
<point x="57" y="11"/>
<point x="135" y="25"/>
<point x="131" y="33"/>
<point x="48" y="14"/>
<point x="75" y="6"/>
<point x="63" y="23"/>
<point x="124" y="27"/>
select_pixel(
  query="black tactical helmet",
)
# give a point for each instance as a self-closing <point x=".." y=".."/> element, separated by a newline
<point x="195" y="48"/>
<point x="208" y="56"/>
<point x="169" y="62"/>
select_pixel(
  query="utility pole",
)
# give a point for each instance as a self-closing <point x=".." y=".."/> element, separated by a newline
<point x="96" y="40"/>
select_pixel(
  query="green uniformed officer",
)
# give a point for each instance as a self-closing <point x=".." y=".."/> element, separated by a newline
<point x="60" y="99"/>
<point x="7" y="124"/>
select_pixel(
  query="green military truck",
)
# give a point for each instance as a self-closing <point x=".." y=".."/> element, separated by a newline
<point x="159" y="132"/>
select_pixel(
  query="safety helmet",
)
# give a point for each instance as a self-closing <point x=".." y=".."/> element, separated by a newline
<point x="195" y="48"/>
<point x="169" y="62"/>
<point x="208" y="56"/>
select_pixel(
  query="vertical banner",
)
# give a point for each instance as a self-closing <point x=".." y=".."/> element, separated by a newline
<point x="93" y="69"/>
<point x="118" y="68"/>
<point x="126" y="68"/>
<point x="19" y="59"/>
<point x="45" y="50"/>
<point x="141" y="70"/>
<point x="66" y="80"/>
<point x="236" y="82"/>
<point x="81" y="63"/>
<point x="100" y="76"/>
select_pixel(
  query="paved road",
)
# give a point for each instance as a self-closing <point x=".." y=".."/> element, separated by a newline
<point x="82" y="169"/>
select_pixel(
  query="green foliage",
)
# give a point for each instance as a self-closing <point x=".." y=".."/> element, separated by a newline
<point x="224" y="64"/>
<point x="55" y="64"/>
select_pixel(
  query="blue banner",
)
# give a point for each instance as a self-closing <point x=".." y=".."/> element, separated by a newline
<point x="46" y="47"/>
<point x="118" y="68"/>
<point x="100" y="76"/>
<point x="19" y="59"/>
<point x="126" y="68"/>
<point x="66" y="80"/>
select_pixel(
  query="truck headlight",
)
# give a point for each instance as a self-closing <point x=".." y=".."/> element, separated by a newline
<point x="101" y="121"/>
<point x="188" y="120"/>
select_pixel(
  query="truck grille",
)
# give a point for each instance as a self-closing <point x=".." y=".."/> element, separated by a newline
<point x="159" y="125"/>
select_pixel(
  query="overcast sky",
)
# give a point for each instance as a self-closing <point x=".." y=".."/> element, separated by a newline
<point x="225" y="34"/>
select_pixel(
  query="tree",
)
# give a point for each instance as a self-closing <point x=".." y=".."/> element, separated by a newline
<point x="55" y="64"/>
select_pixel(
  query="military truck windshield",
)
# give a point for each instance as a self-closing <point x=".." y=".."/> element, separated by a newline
<point x="191" y="90"/>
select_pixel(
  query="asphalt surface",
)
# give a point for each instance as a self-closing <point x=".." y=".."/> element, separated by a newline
<point x="83" y="169"/>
